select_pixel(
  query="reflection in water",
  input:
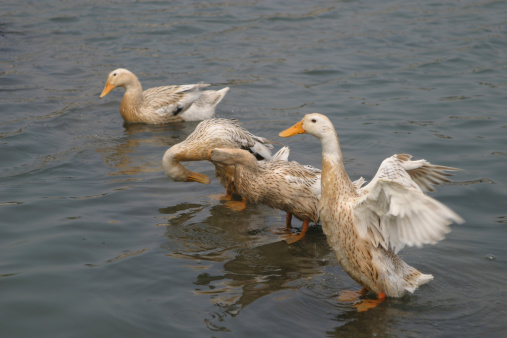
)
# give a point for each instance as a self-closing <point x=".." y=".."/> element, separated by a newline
<point x="260" y="271"/>
<point x="238" y="261"/>
<point x="134" y="152"/>
<point x="378" y="323"/>
<point x="244" y="259"/>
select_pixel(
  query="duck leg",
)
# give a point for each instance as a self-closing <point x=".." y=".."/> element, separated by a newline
<point x="236" y="205"/>
<point x="294" y="238"/>
<point x="361" y="304"/>
<point x="367" y="304"/>
<point x="288" y="220"/>
<point x="228" y="195"/>
<point x="288" y="226"/>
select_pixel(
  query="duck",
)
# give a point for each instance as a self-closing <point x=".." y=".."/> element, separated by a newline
<point x="209" y="134"/>
<point x="278" y="183"/>
<point x="367" y="227"/>
<point x="164" y="104"/>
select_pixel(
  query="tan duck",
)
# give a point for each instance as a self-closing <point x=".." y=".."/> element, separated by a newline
<point x="162" y="104"/>
<point x="209" y="134"/>
<point x="288" y="186"/>
<point x="283" y="185"/>
<point x="367" y="227"/>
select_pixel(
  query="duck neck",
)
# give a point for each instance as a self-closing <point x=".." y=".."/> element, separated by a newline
<point x="132" y="100"/>
<point x="172" y="166"/>
<point x="247" y="178"/>
<point x="250" y="168"/>
<point x="334" y="177"/>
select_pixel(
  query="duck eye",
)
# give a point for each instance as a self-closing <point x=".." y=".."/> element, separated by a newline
<point x="314" y="120"/>
<point x="114" y="74"/>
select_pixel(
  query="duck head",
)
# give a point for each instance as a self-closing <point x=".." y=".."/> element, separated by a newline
<point x="314" y="124"/>
<point x="176" y="171"/>
<point x="118" y="78"/>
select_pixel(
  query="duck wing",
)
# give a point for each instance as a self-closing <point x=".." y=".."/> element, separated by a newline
<point x="227" y="133"/>
<point x="393" y="211"/>
<point x="308" y="176"/>
<point x="425" y="174"/>
<point x="259" y="146"/>
<point x="171" y="100"/>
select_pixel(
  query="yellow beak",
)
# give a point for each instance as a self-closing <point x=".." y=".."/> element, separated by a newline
<point x="196" y="177"/>
<point x="107" y="88"/>
<point x="294" y="130"/>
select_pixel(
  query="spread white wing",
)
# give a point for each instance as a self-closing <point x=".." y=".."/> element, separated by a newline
<point x="393" y="211"/>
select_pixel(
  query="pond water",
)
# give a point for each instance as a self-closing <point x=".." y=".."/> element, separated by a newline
<point x="96" y="241"/>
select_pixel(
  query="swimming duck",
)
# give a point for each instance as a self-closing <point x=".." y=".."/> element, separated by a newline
<point x="367" y="227"/>
<point x="209" y="134"/>
<point x="280" y="184"/>
<point x="288" y="186"/>
<point x="162" y="104"/>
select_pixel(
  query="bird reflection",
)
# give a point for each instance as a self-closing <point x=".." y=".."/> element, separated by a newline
<point x="260" y="271"/>
<point x="140" y="148"/>
<point x="378" y="323"/>
<point x="254" y="262"/>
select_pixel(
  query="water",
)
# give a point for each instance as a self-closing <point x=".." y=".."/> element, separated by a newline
<point x="96" y="241"/>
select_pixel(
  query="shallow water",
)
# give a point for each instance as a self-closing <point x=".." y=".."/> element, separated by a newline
<point x="95" y="240"/>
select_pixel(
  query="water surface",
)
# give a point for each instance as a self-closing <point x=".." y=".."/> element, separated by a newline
<point x="96" y="241"/>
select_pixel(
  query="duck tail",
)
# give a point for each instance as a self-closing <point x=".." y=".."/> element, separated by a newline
<point x="219" y="95"/>
<point x="261" y="151"/>
<point x="415" y="278"/>
<point x="282" y="154"/>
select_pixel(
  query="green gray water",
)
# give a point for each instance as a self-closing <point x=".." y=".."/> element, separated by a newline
<point x="96" y="241"/>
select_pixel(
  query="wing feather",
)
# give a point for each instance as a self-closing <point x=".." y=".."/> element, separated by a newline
<point x="423" y="173"/>
<point x="393" y="211"/>
<point x="170" y="100"/>
<point x="257" y="145"/>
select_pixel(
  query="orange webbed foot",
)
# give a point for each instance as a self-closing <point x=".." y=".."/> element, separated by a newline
<point x="367" y="304"/>
<point x="236" y="205"/>
<point x="291" y="239"/>
<point x="288" y="228"/>
<point x="350" y="296"/>
<point x="226" y="197"/>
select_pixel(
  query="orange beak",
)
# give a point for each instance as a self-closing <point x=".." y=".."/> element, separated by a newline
<point x="196" y="177"/>
<point x="294" y="130"/>
<point x="107" y="89"/>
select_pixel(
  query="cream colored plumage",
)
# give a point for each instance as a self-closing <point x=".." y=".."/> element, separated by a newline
<point x="209" y="134"/>
<point x="288" y="186"/>
<point x="366" y="227"/>
<point x="162" y="104"/>
<point x="278" y="183"/>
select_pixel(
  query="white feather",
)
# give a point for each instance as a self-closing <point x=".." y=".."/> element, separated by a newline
<point x="404" y="214"/>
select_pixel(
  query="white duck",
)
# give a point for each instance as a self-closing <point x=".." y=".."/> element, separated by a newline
<point x="162" y="104"/>
<point x="209" y="134"/>
<point x="368" y="226"/>
<point x="278" y="183"/>
<point x="283" y="185"/>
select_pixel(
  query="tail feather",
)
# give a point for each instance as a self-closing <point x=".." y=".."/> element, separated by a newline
<point x="220" y="95"/>
<point x="416" y="279"/>
<point x="261" y="151"/>
<point x="204" y="107"/>
<point x="282" y="154"/>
